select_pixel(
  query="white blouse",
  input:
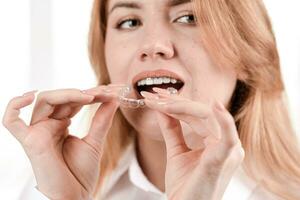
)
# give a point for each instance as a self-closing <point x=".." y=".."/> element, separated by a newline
<point x="128" y="181"/>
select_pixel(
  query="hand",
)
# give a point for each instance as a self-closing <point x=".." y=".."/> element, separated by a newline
<point x="196" y="174"/>
<point x="65" y="166"/>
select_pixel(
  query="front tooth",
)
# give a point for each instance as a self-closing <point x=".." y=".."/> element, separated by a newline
<point x="156" y="81"/>
<point x="159" y="80"/>
<point x="149" y="81"/>
<point x="173" y="80"/>
<point x="166" y="80"/>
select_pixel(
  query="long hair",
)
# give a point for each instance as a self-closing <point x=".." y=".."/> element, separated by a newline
<point x="235" y="34"/>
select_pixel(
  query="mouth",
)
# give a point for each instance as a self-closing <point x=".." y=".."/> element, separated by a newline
<point x="164" y="79"/>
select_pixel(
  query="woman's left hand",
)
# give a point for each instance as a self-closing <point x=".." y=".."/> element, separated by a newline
<point x="196" y="174"/>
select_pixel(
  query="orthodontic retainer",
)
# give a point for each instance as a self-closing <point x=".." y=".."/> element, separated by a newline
<point x="135" y="103"/>
<point x="128" y="102"/>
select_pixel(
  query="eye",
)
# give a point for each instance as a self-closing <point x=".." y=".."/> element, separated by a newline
<point x="128" y="23"/>
<point x="186" y="19"/>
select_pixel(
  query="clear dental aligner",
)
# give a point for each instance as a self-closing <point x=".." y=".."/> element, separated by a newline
<point x="135" y="103"/>
<point x="129" y="102"/>
<point x="172" y="90"/>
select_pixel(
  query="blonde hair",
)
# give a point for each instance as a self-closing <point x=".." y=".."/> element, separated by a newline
<point x="243" y="31"/>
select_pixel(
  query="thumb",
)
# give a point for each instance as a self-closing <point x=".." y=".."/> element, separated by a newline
<point x="101" y="123"/>
<point x="172" y="133"/>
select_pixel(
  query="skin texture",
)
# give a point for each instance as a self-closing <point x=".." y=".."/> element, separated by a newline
<point x="161" y="37"/>
<point x="65" y="167"/>
<point x="164" y="39"/>
<point x="189" y="138"/>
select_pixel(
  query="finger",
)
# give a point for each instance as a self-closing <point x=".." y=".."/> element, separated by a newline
<point x="54" y="131"/>
<point x="172" y="133"/>
<point x="101" y="94"/>
<point x="199" y="116"/>
<point x="230" y="135"/>
<point x="117" y="85"/>
<point x="105" y="88"/>
<point x="56" y="126"/>
<point x="165" y="93"/>
<point x="176" y="105"/>
<point x="64" y="111"/>
<point x="105" y="93"/>
<point x="46" y="101"/>
<point x="74" y="111"/>
<point x="11" y="119"/>
<point x="100" y="125"/>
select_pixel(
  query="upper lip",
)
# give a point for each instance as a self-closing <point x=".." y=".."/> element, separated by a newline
<point x="155" y="73"/>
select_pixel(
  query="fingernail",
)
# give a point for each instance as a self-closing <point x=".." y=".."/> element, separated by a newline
<point x="159" y="90"/>
<point x="149" y="95"/>
<point x="29" y="93"/>
<point x="220" y="106"/>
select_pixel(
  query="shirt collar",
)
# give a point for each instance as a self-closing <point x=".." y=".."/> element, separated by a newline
<point x="240" y="186"/>
<point x="138" y="178"/>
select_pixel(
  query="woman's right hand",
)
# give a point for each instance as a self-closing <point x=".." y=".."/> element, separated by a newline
<point x="65" y="166"/>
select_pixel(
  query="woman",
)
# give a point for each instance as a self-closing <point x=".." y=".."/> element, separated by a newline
<point x="229" y="111"/>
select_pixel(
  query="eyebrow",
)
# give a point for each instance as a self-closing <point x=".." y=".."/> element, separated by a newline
<point x="135" y="5"/>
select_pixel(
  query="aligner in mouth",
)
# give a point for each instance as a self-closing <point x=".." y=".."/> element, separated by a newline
<point x="129" y="102"/>
<point x="135" y="103"/>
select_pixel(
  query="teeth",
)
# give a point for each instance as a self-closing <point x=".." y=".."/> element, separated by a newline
<point x="149" y="81"/>
<point x="173" y="80"/>
<point x="156" y="81"/>
<point x="167" y="80"/>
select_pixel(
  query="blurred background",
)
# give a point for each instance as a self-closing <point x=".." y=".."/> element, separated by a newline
<point x="43" y="45"/>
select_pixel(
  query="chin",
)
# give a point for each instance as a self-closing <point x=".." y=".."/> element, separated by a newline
<point x="144" y="122"/>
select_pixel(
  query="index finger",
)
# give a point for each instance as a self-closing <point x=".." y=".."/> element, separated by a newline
<point x="11" y="120"/>
<point x="47" y="100"/>
<point x="196" y="114"/>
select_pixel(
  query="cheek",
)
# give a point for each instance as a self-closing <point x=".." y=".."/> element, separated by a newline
<point x="117" y="61"/>
<point x="208" y="81"/>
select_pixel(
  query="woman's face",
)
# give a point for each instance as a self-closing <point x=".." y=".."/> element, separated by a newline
<point x="159" y="38"/>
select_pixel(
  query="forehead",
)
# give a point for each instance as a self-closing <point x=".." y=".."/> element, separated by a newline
<point x="140" y="4"/>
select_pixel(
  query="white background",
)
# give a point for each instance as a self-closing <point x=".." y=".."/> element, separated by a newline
<point x="43" y="45"/>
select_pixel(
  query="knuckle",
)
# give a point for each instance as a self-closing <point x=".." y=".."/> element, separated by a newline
<point x="231" y="156"/>
<point x="230" y="127"/>
<point x="42" y="95"/>
<point x="237" y="153"/>
<point x="12" y="101"/>
<point x="228" y="120"/>
<point x="5" y="122"/>
<point x="231" y="143"/>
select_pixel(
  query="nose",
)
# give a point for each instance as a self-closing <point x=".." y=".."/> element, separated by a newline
<point x="156" y="46"/>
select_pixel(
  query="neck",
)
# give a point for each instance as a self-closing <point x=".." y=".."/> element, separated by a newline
<point x="153" y="164"/>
